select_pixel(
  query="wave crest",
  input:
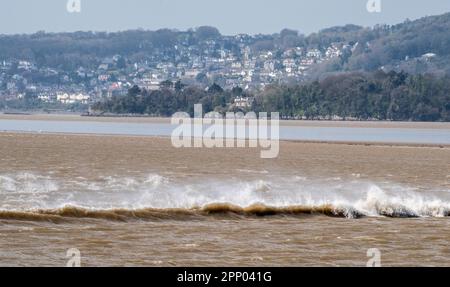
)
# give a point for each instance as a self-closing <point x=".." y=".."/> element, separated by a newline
<point x="34" y="197"/>
<point x="216" y="210"/>
<point x="222" y="210"/>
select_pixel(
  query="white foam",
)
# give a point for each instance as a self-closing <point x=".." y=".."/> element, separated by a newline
<point x="25" y="191"/>
<point x="26" y="183"/>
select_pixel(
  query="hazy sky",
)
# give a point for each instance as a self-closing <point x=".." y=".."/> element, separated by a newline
<point x="230" y="16"/>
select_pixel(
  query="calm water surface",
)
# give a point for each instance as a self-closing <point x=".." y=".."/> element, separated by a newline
<point x="353" y="134"/>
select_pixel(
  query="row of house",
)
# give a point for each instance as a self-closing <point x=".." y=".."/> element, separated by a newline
<point x="200" y="64"/>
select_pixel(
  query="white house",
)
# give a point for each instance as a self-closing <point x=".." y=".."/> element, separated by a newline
<point x="66" y="98"/>
<point x="242" y="102"/>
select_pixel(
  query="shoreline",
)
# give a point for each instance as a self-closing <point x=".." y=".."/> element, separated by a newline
<point x="286" y="123"/>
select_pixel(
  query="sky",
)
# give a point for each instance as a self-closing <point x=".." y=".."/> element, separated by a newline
<point x="229" y="16"/>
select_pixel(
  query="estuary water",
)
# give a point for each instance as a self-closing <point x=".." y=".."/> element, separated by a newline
<point x="124" y="197"/>
<point x="395" y="135"/>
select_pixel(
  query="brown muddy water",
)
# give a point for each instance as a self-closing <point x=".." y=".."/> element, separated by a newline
<point x="137" y="201"/>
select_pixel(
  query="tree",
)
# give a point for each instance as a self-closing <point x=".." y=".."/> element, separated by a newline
<point x="121" y="63"/>
<point x="179" y="86"/>
<point x="202" y="78"/>
<point x="215" y="89"/>
<point x="207" y="33"/>
<point x="383" y="96"/>
<point x="237" y="91"/>
<point x="167" y="84"/>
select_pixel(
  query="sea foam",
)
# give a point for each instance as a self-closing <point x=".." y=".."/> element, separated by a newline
<point x="263" y="195"/>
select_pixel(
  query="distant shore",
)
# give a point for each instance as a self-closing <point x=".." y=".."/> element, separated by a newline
<point x="161" y="120"/>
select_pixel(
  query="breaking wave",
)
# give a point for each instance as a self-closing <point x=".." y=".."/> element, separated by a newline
<point x="31" y="197"/>
<point x="213" y="210"/>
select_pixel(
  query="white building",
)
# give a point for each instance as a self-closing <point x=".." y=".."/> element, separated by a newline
<point x="241" y="102"/>
<point x="66" y="98"/>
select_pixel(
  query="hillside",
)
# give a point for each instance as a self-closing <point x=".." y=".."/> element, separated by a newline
<point x="392" y="47"/>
